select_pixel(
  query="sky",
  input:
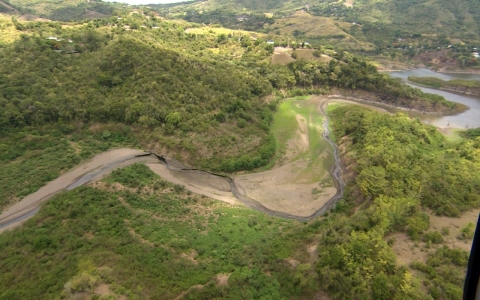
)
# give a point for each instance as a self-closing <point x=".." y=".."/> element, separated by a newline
<point x="145" y="2"/>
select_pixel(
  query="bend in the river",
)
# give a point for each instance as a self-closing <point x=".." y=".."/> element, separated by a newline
<point x="90" y="172"/>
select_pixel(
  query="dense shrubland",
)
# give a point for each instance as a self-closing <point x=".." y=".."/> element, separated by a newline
<point x="401" y="164"/>
<point x="148" y="239"/>
<point x="402" y="158"/>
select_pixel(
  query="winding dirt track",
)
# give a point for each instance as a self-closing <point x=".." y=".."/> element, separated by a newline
<point x="215" y="186"/>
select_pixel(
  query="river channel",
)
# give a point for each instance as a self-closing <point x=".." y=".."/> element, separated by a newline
<point x="225" y="188"/>
<point x="468" y="119"/>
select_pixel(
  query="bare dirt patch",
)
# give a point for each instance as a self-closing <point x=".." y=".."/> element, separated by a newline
<point x="30" y="18"/>
<point x="454" y="226"/>
<point x="292" y="262"/>
<point x="348" y="3"/>
<point x="136" y="235"/>
<point x="298" y="144"/>
<point x="191" y="256"/>
<point x="102" y="289"/>
<point x="313" y="251"/>
<point x="195" y="287"/>
<point x="197" y="182"/>
<point x="222" y="279"/>
<point x="408" y="251"/>
<point x="282" y="189"/>
<point x="282" y="58"/>
<point x="32" y="201"/>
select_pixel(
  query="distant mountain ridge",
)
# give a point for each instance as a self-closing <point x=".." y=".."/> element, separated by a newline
<point x="460" y="17"/>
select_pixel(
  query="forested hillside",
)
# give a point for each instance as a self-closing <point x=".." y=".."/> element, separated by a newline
<point x="459" y="18"/>
<point x="208" y="98"/>
<point x="71" y="10"/>
<point x="440" y="34"/>
<point x="88" y="242"/>
<point x="186" y="88"/>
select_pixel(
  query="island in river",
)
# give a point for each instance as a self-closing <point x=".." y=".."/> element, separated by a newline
<point x="468" y="87"/>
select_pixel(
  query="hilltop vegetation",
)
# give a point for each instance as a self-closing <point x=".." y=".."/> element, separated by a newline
<point x="436" y="33"/>
<point x="185" y="90"/>
<point x="71" y="10"/>
<point x="438" y="16"/>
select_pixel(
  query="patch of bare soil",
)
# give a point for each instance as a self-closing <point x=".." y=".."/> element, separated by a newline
<point x="197" y="182"/>
<point x="298" y="144"/>
<point x="103" y="289"/>
<point x="136" y="235"/>
<point x="30" y="18"/>
<point x="372" y="107"/>
<point x="282" y="58"/>
<point x="408" y="251"/>
<point x="321" y="296"/>
<point x="32" y="201"/>
<point x="293" y="263"/>
<point x="282" y="189"/>
<point x="191" y="256"/>
<point x="7" y="6"/>
<point x="222" y="279"/>
<point x="195" y="287"/>
<point x="454" y="226"/>
<point x="90" y="14"/>
<point x="348" y="3"/>
<point x="313" y="251"/>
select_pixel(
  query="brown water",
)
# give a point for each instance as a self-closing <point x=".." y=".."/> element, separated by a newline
<point x="467" y="119"/>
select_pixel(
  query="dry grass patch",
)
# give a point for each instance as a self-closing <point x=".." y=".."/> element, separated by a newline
<point x="311" y="25"/>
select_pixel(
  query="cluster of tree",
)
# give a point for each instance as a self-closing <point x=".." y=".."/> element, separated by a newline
<point x="123" y="78"/>
<point x="399" y="157"/>
<point x="350" y="72"/>
<point x="253" y="22"/>
<point x="401" y="165"/>
<point x="445" y="272"/>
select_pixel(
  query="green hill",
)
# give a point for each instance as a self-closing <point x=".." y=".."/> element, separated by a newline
<point x="208" y="97"/>
<point x="400" y="30"/>
<point x="61" y="10"/>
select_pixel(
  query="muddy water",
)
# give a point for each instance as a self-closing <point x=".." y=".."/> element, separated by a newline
<point x="467" y="119"/>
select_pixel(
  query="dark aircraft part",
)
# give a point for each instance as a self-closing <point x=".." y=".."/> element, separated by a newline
<point x="471" y="290"/>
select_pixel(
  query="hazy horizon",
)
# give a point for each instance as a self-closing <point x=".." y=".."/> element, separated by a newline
<point x="146" y="2"/>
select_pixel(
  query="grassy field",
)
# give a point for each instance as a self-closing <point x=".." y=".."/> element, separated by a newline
<point x="286" y="125"/>
<point x="9" y="33"/>
<point x="285" y="57"/>
<point x="312" y="28"/>
<point x="221" y="30"/>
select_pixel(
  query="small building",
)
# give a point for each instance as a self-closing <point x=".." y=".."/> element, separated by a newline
<point x="242" y="18"/>
<point x="270" y="42"/>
